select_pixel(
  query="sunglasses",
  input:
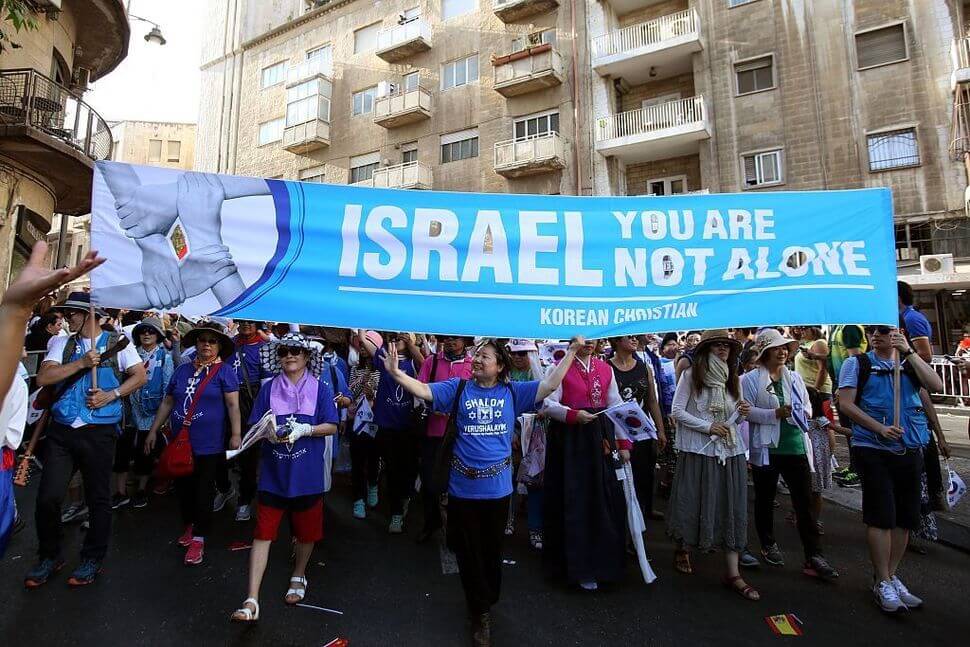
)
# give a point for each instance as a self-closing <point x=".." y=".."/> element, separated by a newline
<point x="882" y="330"/>
<point x="518" y="353"/>
<point x="285" y="351"/>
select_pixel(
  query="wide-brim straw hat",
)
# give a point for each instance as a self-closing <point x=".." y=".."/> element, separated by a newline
<point x="271" y="362"/>
<point x="771" y="338"/>
<point x="152" y="323"/>
<point x="226" y="346"/>
<point x="708" y="337"/>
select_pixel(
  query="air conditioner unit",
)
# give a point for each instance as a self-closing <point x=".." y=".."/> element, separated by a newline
<point x="936" y="264"/>
<point x="80" y="79"/>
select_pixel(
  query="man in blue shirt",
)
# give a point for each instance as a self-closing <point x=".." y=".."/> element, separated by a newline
<point x="888" y="453"/>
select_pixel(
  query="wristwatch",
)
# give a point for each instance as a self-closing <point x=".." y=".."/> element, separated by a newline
<point x="117" y="393"/>
<point x="906" y="353"/>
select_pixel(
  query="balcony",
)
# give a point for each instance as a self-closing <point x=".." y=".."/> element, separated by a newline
<point x="656" y="132"/>
<point x="651" y="50"/>
<point x="531" y="156"/>
<point x="960" y="56"/>
<point x="402" y="107"/>
<point x="411" y="175"/>
<point x="309" y="69"/>
<point x="401" y="41"/>
<point x="529" y="70"/>
<point x="307" y="126"/>
<point x="516" y="10"/>
<point x="52" y="132"/>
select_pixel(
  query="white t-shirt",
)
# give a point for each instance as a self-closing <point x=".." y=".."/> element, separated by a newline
<point x="55" y="353"/>
<point x="13" y="415"/>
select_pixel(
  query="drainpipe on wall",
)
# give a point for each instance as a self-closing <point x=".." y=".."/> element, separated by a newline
<point x="59" y="260"/>
<point x="576" y="157"/>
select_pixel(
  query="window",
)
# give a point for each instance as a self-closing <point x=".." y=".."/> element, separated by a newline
<point x="459" y="146"/>
<point x="881" y="46"/>
<point x="756" y="75"/>
<point x="154" y="150"/>
<point x="364" y="101"/>
<point x="534" y="39"/>
<point x="761" y="169"/>
<point x="365" y="38"/>
<point x="667" y="185"/>
<point x="362" y="167"/>
<point x="529" y="127"/>
<point x="409" y="15"/>
<point x="452" y="8"/>
<point x="460" y="72"/>
<point x="412" y="81"/>
<point x="738" y="3"/>
<point x="270" y="131"/>
<point x="305" y="102"/>
<point x="892" y="149"/>
<point x="314" y="174"/>
<point x="409" y="153"/>
<point x="79" y="256"/>
<point x="273" y="75"/>
<point x="324" y="55"/>
<point x="174" y="151"/>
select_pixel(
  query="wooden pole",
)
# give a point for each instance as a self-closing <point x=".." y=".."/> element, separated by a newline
<point x="897" y="373"/>
<point x="93" y="331"/>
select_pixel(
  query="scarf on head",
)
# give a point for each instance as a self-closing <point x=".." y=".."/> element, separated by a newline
<point x="300" y="398"/>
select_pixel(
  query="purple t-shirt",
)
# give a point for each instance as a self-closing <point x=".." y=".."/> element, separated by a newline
<point x="298" y="470"/>
<point x="208" y="429"/>
<point x="392" y="404"/>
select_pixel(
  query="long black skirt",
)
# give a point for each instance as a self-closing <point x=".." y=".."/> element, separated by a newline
<point x="585" y="512"/>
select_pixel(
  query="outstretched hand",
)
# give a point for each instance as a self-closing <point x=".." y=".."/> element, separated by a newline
<point x="148" y="210"/>
<point x="391" y="360"/>
<point x="36" y="281"/>
<point x="160" y="272"/>
<point x="205" y="267"/>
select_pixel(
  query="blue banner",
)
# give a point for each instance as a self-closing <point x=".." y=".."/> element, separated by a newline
<point x="489" y="264"/>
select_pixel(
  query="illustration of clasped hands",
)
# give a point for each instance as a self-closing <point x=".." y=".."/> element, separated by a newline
<point x="178" y="230"/>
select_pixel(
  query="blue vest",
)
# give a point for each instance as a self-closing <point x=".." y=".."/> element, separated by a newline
<point x="72" y="406"/>
<point x="150" y="395"/>
<point x="877" y="401"/>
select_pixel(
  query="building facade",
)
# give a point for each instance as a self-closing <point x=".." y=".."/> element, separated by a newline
<point x="49" y="137"/>
<point x="609" y="97"/>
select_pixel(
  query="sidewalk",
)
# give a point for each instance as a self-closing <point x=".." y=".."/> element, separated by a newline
<point x="954" y="526"/>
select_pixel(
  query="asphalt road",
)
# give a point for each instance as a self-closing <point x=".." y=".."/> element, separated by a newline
<point x="393" y="592"/>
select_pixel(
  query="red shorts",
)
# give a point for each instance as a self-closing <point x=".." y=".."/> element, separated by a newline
<point x="306" y="525"/>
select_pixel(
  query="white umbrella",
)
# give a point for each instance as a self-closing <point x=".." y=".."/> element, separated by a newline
<point x="636" y="524"/>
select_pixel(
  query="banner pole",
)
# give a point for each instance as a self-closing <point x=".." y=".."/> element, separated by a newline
<point x="93" y="332"/>
<point x="897" y="369"/>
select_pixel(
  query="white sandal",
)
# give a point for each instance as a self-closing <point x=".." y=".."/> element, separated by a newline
<point x="300" y="592"/>
<point x="244" y="613"/>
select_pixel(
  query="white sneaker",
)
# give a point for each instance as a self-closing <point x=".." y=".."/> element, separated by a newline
<point x="907" y="598"/>
<point x="887" y="598"/>
<point x="244" y="513"/>
<point x="221" y="500"/>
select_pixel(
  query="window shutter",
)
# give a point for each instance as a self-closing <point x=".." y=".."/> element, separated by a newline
<point x="750" y="171"/>
<point x="881" y="46"/>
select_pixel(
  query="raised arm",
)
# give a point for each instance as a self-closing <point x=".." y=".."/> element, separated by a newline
<point x="926" y="374"/>
<point x="554" y="378"/>
<point x="414" y="387"/>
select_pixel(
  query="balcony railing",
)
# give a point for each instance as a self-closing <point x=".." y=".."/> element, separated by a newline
<point x="651" y="119"/>
<point x="306" y="70"/>
<point x="411" y="175"/>
<point x="401" y="41"/>
<point x="647" y="34"/>
<point x="528" y="70"/>
<point x="28" y="98"/>
<point x="531" y="155"/>
<point x="403" y="107"/>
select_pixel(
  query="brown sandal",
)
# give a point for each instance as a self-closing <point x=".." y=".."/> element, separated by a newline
<point x="682" y="562"/>
<point x="746" y="591"/>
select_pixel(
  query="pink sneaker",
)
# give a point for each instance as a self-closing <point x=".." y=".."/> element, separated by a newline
<point x="186" y="537"/>
<point x="193" y="556"/>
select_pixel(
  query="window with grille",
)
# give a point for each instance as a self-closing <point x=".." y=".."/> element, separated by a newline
<point x="881" y="46"/>
<point x="154" y="150"/>
<point x="761" y="169"/>
<point x="459" y="146"/>
<point x="362" y="167"/>
<point x="270" y="131"/>
<point x="304" y="103"/>
<point x="452" y="8"/>
<point x="893" y="149"/>
<point x="365" y="38"/>
<point x="755" y="76"/>
<point x="174" y="152"/>
<point x="273" y="74"/>
<point x="530" y="127"/>
<point x="460" y="72"/>
<point x="364" y="101"/>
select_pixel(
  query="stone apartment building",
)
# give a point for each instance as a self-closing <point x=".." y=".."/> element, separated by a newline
<point x="607" y="97"/>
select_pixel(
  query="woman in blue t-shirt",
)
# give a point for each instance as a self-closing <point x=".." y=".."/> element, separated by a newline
<point x="291" y="465"/>
<point x="202" y="397"/>
<point x="481" y="467"/>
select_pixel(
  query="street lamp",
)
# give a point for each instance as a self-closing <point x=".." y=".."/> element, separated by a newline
<point x="155" y="35"/>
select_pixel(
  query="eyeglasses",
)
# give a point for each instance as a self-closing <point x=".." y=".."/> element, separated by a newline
<point x="284" y="351"/>
<point x="206" y="339"/>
